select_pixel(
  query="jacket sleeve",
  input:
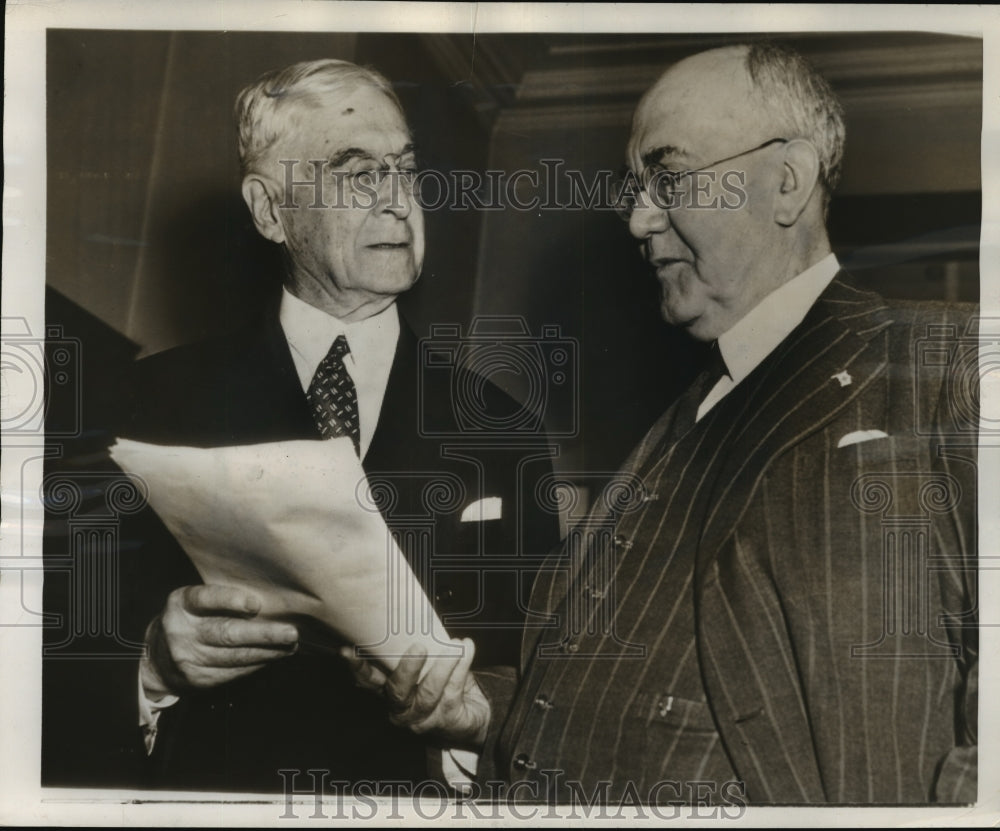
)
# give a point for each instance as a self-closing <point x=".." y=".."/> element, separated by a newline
<point x="956" y="420"/>
<point x="499" y="685"/>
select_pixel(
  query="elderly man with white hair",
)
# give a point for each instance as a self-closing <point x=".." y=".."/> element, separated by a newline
<point x="229" y="701"/>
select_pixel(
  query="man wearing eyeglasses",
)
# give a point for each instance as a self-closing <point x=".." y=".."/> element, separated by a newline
<point x="782" y="607"/>
<point x="227" y="701"/>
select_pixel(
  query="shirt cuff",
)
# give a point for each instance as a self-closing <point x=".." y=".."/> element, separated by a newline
<point x="149" y="710"/>
<point x="459" y="768"/>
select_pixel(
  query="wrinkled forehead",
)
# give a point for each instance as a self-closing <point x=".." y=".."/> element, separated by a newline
<point x="696" y="112"/>
<point x="361" y="116"/>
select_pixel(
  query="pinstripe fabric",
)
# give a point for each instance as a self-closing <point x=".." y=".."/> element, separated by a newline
<point x="769" y="605"/>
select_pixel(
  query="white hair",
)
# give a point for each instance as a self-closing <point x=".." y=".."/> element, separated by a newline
<point x="260" y="119"/>
<point x="802" y="103"/>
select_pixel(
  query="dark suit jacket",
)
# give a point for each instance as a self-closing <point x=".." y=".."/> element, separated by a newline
<point x="834" y="583"/>
<point x="305" y="711"/>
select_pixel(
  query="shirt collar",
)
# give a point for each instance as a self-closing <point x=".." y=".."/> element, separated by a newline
<point x="310" y="333"/>
<point x="767" y="324"/>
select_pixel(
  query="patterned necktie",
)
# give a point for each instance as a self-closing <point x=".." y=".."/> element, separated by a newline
<point x="333" y="398"/>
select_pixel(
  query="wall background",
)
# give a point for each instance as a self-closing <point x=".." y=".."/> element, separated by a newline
<point x="149" y="244"/>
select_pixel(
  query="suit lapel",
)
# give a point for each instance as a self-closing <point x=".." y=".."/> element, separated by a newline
<point x="267" y="396"/>
<point x="827" y="361"/>
<point x="837" y="351"/>
<point x="395" y="440"/>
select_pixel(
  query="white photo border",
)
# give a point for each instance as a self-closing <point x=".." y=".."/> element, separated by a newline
<point x="22" y="800"/>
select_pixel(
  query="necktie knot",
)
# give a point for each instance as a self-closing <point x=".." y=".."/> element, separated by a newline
<point x="340" y="347"/>
<point x="715" y="370"/>
<point x="333" y="397"/>
<point x="686" y="412"/>
<point x="716" y="366"/>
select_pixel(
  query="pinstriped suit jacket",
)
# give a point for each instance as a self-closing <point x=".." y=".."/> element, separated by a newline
<point x="835" y="616"/>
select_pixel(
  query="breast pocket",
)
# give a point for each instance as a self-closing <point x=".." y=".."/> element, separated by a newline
<point x="876" y="453"/>
<point x="668" y="712"/>
<point x="666" y="735"/>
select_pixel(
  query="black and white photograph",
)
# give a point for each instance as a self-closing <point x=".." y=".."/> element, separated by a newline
<point x="499" y="414"/>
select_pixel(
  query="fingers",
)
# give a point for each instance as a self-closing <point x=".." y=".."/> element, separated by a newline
<point x="222" y="616"/>
<point x="459" y="678"/>
<point x="215" y="658"/>
<point x="414" y="688"/>
<point x="366" y="674"/>
<point x="451" y="705"/>
<point x="202" y="676"/>
<point x="446" y="691"/>
<point x="238" y="634"/>
<point x="249" y="639"/>
<point x="401" y="685"/>
<point x="446" y="701"/>
<point x="209" y="635"/>
<point x="446" y="677"/>
<point x="436" y="693"/>
<point x="218" y="600"/>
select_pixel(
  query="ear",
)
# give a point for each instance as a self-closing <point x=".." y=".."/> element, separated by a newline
<point x="258" y="193"/>
<point x="799" y="181"/>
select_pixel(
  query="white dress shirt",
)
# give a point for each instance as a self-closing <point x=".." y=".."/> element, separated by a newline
<point x="310" y="333"/>
<point x="759" y="331"/>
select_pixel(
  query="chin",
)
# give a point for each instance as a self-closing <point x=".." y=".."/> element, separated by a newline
<point x="395" y="283"/>
<point x="696" y="326"/>
<point x="703" y="333"/>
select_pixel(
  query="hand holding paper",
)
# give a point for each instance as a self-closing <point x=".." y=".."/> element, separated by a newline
<point x="294" y="523"/>
<point x="439" y="698"/>
<point x="209" y="635"/>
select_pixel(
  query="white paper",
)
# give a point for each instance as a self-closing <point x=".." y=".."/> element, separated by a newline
<point x="294" y="522"/>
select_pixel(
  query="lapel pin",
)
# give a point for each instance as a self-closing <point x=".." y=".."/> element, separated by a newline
<point x="843" y="377"/>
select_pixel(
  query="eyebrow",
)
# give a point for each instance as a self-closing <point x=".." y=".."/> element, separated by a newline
<point x="349" y="153"/>
<point x="656" y="154"/>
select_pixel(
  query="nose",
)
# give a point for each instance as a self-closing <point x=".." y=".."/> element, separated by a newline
<point x="647" y="219"/>
<point x="395" y="196"/>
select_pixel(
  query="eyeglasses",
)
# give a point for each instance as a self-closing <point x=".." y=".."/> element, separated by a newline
<point x="662" y="185"/>
<point x="365" y="175"/>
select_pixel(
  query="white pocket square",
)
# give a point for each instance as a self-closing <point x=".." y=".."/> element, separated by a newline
<point x="483" y="509"/>
<point x="859" y="436"/>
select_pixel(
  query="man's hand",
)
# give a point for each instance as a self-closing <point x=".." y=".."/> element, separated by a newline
<point x="208" y="635"/>
<point x="447" y="704"/>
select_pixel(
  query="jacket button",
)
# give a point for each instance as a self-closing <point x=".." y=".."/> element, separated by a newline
<point x="522" y="762"/>
<point x="665" y="705"/>
<point x="543" y="702"/>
